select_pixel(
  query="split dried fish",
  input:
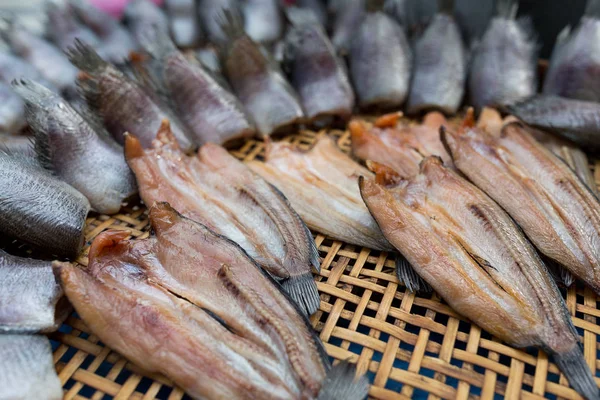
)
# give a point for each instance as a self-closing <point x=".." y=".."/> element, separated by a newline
<point x="324" y="172"/>
<point x="31" y="300"/>
<point x="225" y="330"/>
<point x="380" y="60"/>
<point x="123" y="104"/>
<point x="77" y="149"/>
<point x="472" y="253"/>
<point x="27" y="369"/>
<point x="558" y="213"/>
<point x="210" y="111"/>
<point x="504" y="64"/>
<point x="258" y="82"/>
<point x="183" y="21"/>
<point x="38" y="208"/>
<point x="220" y="192"/>
<point x="263" y="20"/>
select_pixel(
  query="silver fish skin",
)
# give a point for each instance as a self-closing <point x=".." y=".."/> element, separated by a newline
<point x="140" y="16"/>
<point x="63" y="27"/>
<point x="209" y="57"/>
<point x="263" y="20"/>
<point x="12" y="111"/>
<point x="315" y="71"/>
<point x="576" y="120"/>
<point x="504" y="65"/>
<point x="380" y="62"/>
<point x="31" y="300"/>
<point x="211" y="112"/>
<point x="183" y="22"/>
<point x="77" y="149"/>
<point x="258" y="82"/>
<point x="123" y="104"/>
<point x="27" y="369"/>
<point x="115" y="41"/>
<point x="12" y="144"/>
<point x="14" y="67"/>
<point x="38" y="208"/>
<point x="44" y="56"/>
<point x="439" y="68"/>
<point x="211" y="17"/>
<point x="346" y="17"/>
<point x="574" y="69"/>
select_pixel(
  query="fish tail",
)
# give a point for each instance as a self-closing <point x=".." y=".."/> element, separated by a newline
<point x="303" y="290"/>
<point x="592" y="9"/>
<point x="507" y="8"/>
<point x="573" y="365"/>
<point x="407" y="275"/>
<point x="84" y="57"/>
<point x="231" y="23"/>
<point x="157" y="42"/>
<point x="341" y="383"/>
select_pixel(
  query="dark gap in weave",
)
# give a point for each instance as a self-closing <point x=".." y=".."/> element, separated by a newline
<point x="144" y="384"/>
<point x="419" y="393"/>
<point x="87" y="361"/>
<point x="88" y="391"/>
<point x="475" y="390"/>
<point x="104" y="369"/>
<point x="441" y="318"/>
<point x="504" y="360"/>
<point x="164" y="392"/>
<point x="418" y="310"/>
<point x="123" y="376"/>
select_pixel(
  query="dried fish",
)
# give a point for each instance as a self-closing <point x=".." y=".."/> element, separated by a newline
<point x="222" y="193"/>
<point x="574" y="67"/>
<point x="183" y="21"/>
<point x="263" y="20"/>
<point x="380" y="60"/>
<point x="472" y="253"/>
<point x="323" y="172"/>
<point x="439" y="65"/>
<point x="258" y="82"/>
<point x="40" y="209"/>
<point x="12" y="111"/>
<point x="123" y="104"/>
<point x="31" y="300"/>
<point x="27" y="370"/>
<point x="211" y="14"/>
<point x="141" y="16"/>
<point x="317" y="7"/>
<point x="77" y="149"/>
<point x="504" y="65"/>
<point x="14" y="67"/>
<point x="558" y="213"/>
<point x="225" y="330"/>
<point x="210" y="111"/>
<point x="63" y="27"/>
<point x="347" y="15"/>
<point x="17" y="145"/>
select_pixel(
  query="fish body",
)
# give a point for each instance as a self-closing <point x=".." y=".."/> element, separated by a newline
<point x="14" y="67"/>
<point x="575" y="120"/>
<point x="347" y="15"/>
<point x="12" y="111"/>
<point x="225" y="330"/>
<point x="27" y="370"/>
<point x="400" y="147"/>
<point x="574" y="69"/>
<point x="123" y="104"/>
<point x="31" y="300"/>
<point x="222" y="193"/>
<point x="558" y="213"/>
<point x="380" y="62"/>
<point x="315" y="71"/>
<point x="63" y="27"/>
<point x="323" y="172"/>
<point x="183" y="22"/>
<point x="212" y="15"/>
<point x="318" y="9"/>
<point x="439" y="68"/>
<point x="39" y="209"/>
<point x="259" y="83"/>
<point x="141" y="16"/>
<point x="12" y="144"/>
<point x="504" y="64"/>
<point x="76" y="149"/>
<point x="263" y="20"/>
<point x="472" y="253"/>
<point x="210" y="111"/>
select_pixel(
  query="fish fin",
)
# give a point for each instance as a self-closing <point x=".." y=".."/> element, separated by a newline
<point x="592" y="9"/>
<point x="388" y="120"/>
<point x="507" y="8"/>
<point x="341" y="383"/>
<point x="231" y="24"/>
<point x="157" y="42"/>
<point x="572" y="364"/>
<point x="303" y="290"/>
<point x="133" y="147"/>
<point x="384" y="175"/>
<point x="84" y="57"/>
<point x="409" y="277"/>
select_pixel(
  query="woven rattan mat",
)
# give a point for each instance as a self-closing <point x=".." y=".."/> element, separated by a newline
<point x="411" y="346"/>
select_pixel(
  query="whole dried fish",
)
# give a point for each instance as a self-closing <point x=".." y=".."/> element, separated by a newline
<point x="317" y="7"/>
<point x="27" y="370"/>
<point x="31" y="300"/>
<point x="17" y="145"/>
<point x="115" y="41"/>
<point x="257" y="81"/>
<point x="211" y="112"/>
<point x="12" y="111"/>
<point x="220" y="192"/>
<point x="439" y="66"/>
<point x="575" y="63"/>
<point x="315" y="71"/>
<point x="471" y="252"/>
<point x="576" y="120"/>
<point x="224" y="329"/>
<point x="380" y="60"/>
<point x="63" y="27"/>
<point x="504" y="65"/>
<point x="263" y="20"/>
<point x="78" y="150"/>
<point x="211" y="15"/>
<point x="14" y="67"/>
<point x="558" y="213"/>
<point x="141" y="16"/>
<point x="323" y="172"/>
<point x="347" y="15"/>
<point x="40" y="209"/>
<point x="183" y="21"/>
<point x="398" y="146"/>
<point x="122" y="103"/>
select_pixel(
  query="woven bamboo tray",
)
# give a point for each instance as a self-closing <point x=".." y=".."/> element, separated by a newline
<point x="411" y="346"/>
